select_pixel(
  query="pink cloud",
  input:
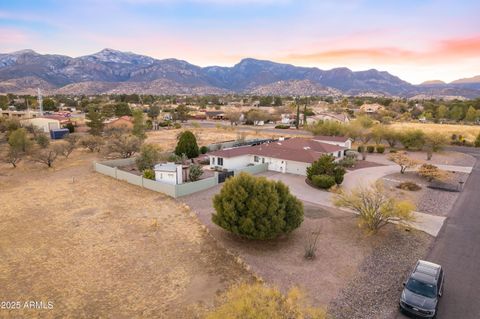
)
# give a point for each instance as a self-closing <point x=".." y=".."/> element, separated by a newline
<point x="12" y="37"/>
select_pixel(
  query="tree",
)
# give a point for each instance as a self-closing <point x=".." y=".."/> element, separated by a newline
<point x="68" y="145"/>
<point x="256" y="208"/>
<point x="148" y="157"/>
<point x="187" y="144"/>
<point x="153" y="112"/>
<point x="434" y="143"/>
<point x="233" y="117"/>
<point x="124" y="145"/>
<point x="181" y="113"/>
<point x="328" y="128"/>
<point x="471" y="115"/>
<point x="403" y="161"/>
<point x="13" y="156"/>
<point x="18" y="140"/>
<point x="456" y="113"/>
<point x="391" y="136"/>
<point x="442" y="112"/>
<point x="138" y="125"/>
<point x="95" y="121"/>
<point x="374" y="206"/>
<point x="49" y="105"/>
<point x="477" y="141"/>
<point x="194" y="172"/>
<point x="45" y="156"/>
<point x="252" y="301"/>
<point x="92" y="143"/>
<point x="122" y="109"/>
<point x="42" y="140"/>
<point x="412" y="139"/>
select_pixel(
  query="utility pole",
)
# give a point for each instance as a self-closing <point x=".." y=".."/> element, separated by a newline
<point x="297" y="120"/>
<point x="40" y="101"/>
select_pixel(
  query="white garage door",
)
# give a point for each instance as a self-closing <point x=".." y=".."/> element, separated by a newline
<point x="297" y="168"/>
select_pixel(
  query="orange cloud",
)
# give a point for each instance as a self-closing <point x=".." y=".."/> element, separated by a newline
<point x="444" y="50"/>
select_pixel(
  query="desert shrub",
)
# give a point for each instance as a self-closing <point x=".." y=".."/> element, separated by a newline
<point x="19" y="140"/>
<point x="45" y="156"/>
<point x="370" y="148"/>
<point x="431" y="172"/>
<point x="409" y="186"/>
<point x="149" y="174"/>
<point x="323" y="181"/>
<point x="403" y="161"/>
<point x="412" y="139"/>
<point x="203" y="149"/>
<point x="351" y="154"/>
<point x="380" y="149"/>
<point x="13" y="156"/>
<point x="148" y="157"/>
<point x="392" y="150"/>
<point x="311" y="245"/>
<point x="92" y="143"/>
<point x="253" y="301"/>
<point x="177" y="126"/>
<point x="375" y="207"/>
<point x="70" y="127"/>
<point x="195" y="172"/>
<point x="187" y="144"/>
<point x="477" y="141"/>
<point x="42" y="140"/>
<point x="282" y="126"/>
<point x="339" y="175"/>
<point x="347" y="162"/>
<point x="256" y="208"/>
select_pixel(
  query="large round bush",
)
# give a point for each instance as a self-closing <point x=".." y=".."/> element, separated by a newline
<point x="323" y="181"/>
<point x="256" y="208"/>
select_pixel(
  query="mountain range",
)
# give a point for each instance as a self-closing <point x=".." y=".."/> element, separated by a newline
<point x="111" y="71"/>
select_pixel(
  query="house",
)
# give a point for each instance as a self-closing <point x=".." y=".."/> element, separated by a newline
<point x="215" y="115"/>
<point x="119" y="122"/>
<point x="324" y="116"/>
<point x="371" y="108"/>
<point x="46" y="124"/>
<point x="286" y="156"/>
<point x="335" y="140"/>
<point x="171" y="173"/>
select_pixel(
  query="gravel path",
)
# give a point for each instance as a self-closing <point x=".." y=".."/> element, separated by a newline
<point x="426" y="200"/>
<point x="375" y="290"/>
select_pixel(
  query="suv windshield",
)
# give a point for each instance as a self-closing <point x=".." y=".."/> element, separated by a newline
<point x="421" y="288"/>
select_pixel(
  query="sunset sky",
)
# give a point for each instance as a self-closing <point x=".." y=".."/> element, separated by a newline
<point x="416" y="40"/>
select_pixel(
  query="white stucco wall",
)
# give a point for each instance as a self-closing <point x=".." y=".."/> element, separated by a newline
<point x="347" y="144"/>
<point x="166" y="177"/>
<point x="230" y="163"/>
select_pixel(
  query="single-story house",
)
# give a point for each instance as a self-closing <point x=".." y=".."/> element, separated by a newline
<point x="372" y="108"/>
<point x="215" y="115"/>
<point x="46" y="124"/>
<point x="171" y="173"/>
<point x="340" y="118"/>
<point x="286" y="156"/>
<point x="335" y="140"/>
<point x="119" y="122"/>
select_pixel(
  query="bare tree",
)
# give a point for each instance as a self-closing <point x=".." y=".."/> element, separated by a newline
<point x="13" y="156"/>
<point x="125" y="146"/>
<point x="45" y="156"/>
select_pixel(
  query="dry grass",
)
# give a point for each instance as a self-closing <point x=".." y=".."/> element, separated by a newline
<point x="470" y="132"/>
<point x="167" y="139"/>
<point x="100" y="248"/>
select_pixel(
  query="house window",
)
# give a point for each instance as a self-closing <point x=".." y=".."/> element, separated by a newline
<point x="220" y="161"/>
<point x="255" y="159"/>
<point x="263" y="160"/>
<point x="339" y="153"/>
<point x="213" y="160"/>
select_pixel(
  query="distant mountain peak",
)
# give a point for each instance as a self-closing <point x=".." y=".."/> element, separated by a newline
<point x="25" y="51"/>
<point x="474" y="79"/>
<point x="433" y="82"/>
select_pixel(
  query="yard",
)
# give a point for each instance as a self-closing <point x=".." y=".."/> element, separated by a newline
<point x="96" y="247"/>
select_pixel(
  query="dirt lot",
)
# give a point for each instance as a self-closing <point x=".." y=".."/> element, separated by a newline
<point x="99" y="248"/>
<point x="167" y="139"/>
<point x="343" y="249"/>
<point x="470" y="132"/>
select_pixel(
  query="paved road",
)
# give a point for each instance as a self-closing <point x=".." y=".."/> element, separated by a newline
<point x="457" y="248"/>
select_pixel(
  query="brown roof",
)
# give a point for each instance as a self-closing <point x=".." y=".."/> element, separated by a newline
<point x="294" y="149"/>
<point x="331" y="138"/>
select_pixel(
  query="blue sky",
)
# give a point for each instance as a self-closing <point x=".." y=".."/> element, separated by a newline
<point x="416" y="40"/>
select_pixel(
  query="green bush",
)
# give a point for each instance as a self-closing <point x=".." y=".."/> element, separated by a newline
<point x="195" y="172"/>
<point x="477" y="141"/>
<point x="70" y="127"/>
<point x="149" y="174"/>
<point x="360" y="149"/>
<point x="203" y="149"/>
<point x="42" y="140"/>
<point x="347" y="162"/>
<point x="256" y="208"/>
<point x="370" y="148"/>
<point x="323" y="181"/>
<point x="282" y="126"/>
<point x="380" y="149"/>
<point x="412" y="139"/>
<point x="148" y="157"/>
<point x="177" y="125"/>
<point x="326" y="165"/>
<point x="409" y="186"/>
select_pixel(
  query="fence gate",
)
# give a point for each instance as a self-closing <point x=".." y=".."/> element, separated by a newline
<point x="222" y="176"/>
